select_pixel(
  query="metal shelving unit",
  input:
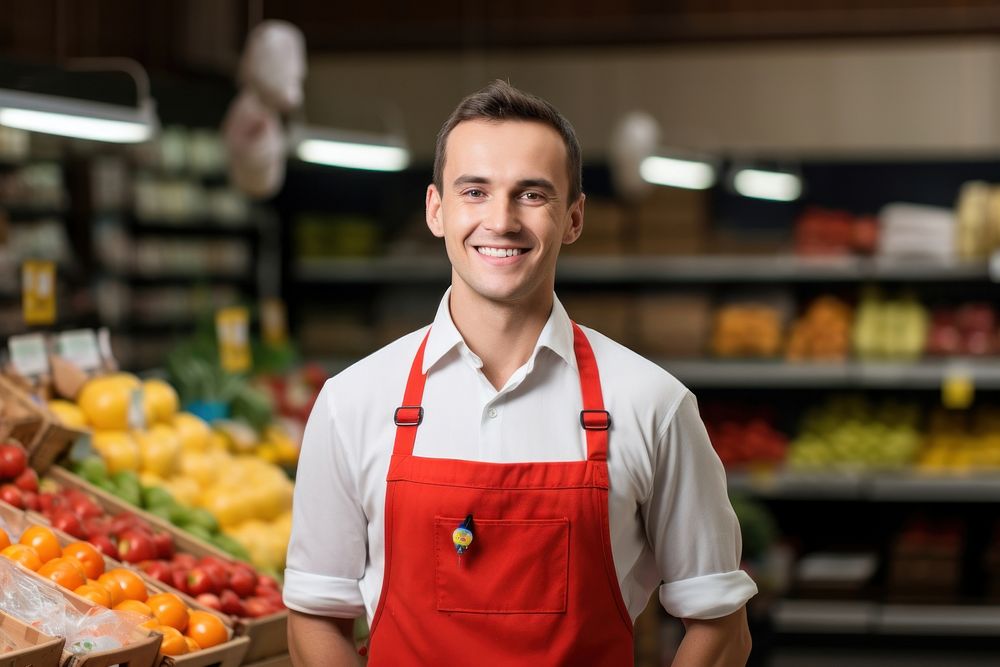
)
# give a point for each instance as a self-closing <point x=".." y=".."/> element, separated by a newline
<point x="861" y="617"/>
<point x="665" y="269"/>
<point x="904" y="486"/>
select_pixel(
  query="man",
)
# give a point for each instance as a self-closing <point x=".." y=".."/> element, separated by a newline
<point x="504" y="487"/>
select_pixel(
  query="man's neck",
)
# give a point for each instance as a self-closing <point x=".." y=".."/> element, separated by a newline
<point x="503" y="336"/>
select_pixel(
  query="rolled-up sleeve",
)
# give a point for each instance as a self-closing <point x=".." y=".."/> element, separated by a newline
<point x="690" y="522"/>
<point x="327" y="550"/>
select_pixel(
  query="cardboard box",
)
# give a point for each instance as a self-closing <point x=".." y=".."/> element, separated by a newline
<point x="266" y="636"/>
<point x="31" y="648"/>
<point x="671" y="221"/>
<point x="609" y="313"/>
<point x="673" y="325"/>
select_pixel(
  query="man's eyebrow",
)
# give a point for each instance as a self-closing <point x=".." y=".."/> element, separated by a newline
<point x="466" y="179"/>
<point x="540" y="183"/>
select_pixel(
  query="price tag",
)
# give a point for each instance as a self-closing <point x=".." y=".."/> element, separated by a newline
<point x="233" y="330"/>
<point x="958" y="389"/>
<point x="274" y="322"/>
<point x="80" y="347"/>
<point x="29" y="354"/>
<point x="38" y="290"/>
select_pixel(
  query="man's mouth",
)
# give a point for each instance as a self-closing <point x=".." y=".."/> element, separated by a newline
<point x="500" y="252"/>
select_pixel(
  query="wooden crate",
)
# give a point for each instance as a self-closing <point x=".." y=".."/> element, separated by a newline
<point x="267" y="634"/>
<point x="229" y="654"/>
<point x="20" y="416"/>
<point x="31" y="647"/>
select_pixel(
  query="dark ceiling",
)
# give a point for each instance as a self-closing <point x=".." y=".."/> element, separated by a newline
<point x="182" y="36"/>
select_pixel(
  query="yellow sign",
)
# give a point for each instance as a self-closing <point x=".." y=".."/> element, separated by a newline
<point x="232" y="326"/>
<point x="38" y="291"/>
<point x="274" y="322"/>
<point x="957" y="389"/>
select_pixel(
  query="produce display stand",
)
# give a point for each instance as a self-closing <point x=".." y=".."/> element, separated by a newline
<point x="21" y="418"/>
<point x="267" y="635"/>
<point x="228" y="654"/>
<point x="38" y="429"/>
<point x="32" y="648"/>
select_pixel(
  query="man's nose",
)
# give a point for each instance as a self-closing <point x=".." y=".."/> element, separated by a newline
<point x="502" y="217"/>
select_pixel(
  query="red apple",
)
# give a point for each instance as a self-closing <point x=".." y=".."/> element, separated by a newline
<point x="135" y="546"/>
<point x="86" y="508"/>
<point x="184" y="561"/>
<point x="12" y="495"/>
<point x="68" y="522"/>
<point x="230" y="603"/>
<point x="199" y="581"/>
<point x="104" y="544"/>
<point x="13" y="460"/>
<point x="179" y="580"/>
<point x="159" y="570"/>
<point x="258" y="606"/>
<point x="210" y="600"/>
<point x="50" y="502"/>
<point x="30" y="500"/>
<point x="243" y="580"/>
<point x="27" y="480"/>
<point x="164" y="545"/>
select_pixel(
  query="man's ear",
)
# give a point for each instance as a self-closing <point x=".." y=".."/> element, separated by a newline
<point x="432" y="211"/>
<point x="575" y="227"/>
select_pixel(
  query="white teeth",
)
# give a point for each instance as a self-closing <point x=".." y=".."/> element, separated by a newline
<point x="498" y="252"/>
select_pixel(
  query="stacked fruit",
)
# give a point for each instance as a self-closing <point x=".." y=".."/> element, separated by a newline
<point x="956" y="444"/>
<point x="848" y="432"/>
<point x="822" y="333"/>
<point x="232" y="588"/>
<point x="829" y="232"/>
<point x="80" y="567"/>
<point x="129" y="538"/>
<point x="743" y="436"/>
<point x="18" y="482"/>
<point x="747" y="330"/>
<point x="138" y="430"/>
<point x="889" y="329"/>
<point x="969" y="329"/>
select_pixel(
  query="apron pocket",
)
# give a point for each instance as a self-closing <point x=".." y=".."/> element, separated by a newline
<point x="516" y="566"/>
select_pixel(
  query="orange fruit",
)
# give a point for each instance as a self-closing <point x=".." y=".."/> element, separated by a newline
<point x="206" y="629"/>
<point x="91" y="558"/>
<point x="4" y="539"/>
<point x="24" y="555"/>
<point x="95" y="593"/>
<point x="130" y="583"/>
<point x="43" y="541"/>
<point x="173" y="641"/>
<point x="134" y="606"/>
<point x="114" y="590"/>
<point x="169" y="610"/>
<point x="64" y="572"/>
<point x="192" y="644"/>
<point x="150" y="624"/>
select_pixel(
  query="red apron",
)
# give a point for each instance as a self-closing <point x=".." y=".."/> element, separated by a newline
<point x="537" y="585"/>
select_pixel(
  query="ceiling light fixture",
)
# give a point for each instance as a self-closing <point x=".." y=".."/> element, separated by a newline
<point x="677" y="172"/>
<point x="351" y="150"/>
<point x="766" y="184"/>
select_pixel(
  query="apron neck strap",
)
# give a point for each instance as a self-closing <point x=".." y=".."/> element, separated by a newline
<point x="594" y="419"/>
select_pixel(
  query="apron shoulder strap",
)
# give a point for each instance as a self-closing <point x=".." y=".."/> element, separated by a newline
<point x="409" y="415"/>
<point x="594" y="419"/>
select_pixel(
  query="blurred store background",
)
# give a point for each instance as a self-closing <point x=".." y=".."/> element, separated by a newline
<point x="793" y="207"/>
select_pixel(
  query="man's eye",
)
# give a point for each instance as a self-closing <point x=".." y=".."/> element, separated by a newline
<point x="475" y="194"/>
<point x="532" y="196"/>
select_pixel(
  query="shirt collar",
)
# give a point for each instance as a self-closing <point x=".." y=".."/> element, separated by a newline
<point x="557" y="335"/>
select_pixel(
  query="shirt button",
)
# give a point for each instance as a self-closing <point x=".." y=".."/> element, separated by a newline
<point x="492" y="412"/>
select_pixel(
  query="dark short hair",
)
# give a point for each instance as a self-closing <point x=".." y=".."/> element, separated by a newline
<point x="500" y="101"/>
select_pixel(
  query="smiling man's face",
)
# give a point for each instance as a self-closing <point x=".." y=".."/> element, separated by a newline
<point x="503" y="210"/>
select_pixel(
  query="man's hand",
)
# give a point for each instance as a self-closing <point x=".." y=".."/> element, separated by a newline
<point x="321" y="641"/>
<point x="719" y="642"/>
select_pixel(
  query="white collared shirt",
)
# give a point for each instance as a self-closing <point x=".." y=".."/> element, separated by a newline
<point x="670" y="517"/>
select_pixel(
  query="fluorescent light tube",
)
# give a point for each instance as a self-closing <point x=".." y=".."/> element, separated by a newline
<point x="690" y="174"/>
<point x="771" y="185"/>
<point x="77" y="118"/>
<point x="353" y="155"/>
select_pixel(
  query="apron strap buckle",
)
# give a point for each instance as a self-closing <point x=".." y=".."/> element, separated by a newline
<point x="408" y="415"/>
<point x="595" y="420"/>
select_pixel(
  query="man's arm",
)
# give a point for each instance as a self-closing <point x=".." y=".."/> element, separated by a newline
<point x="321" y="641"/>
<point x="719" y="642"/>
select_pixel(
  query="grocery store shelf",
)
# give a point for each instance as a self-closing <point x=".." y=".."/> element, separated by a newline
<point x="875" y="486"/>
<point x="664" y="269"/>
<point x="850" y="617"/>
<point x="825" y="616"/>
<point x="183" y="277"/>
<point x="200" y="228"/>
<point x="927" y="374"/>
